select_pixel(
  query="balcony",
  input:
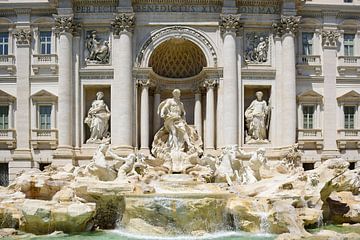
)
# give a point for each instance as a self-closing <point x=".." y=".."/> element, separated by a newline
<point x="349" y="65"/>
<point x="308" y="65"/>
<point x="7" y="62"/>
<point x="7" y="138"/>
<point x="310" y="138"/>
<point x="348" y="138"/>
<point x="45" y="63"/>
<point x="44" y="138"/>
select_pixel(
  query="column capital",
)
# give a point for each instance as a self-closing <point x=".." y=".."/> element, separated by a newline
<point x="64" y="24"/>
<point x="229" y="23"/>
<point x="23" y="37"/>
<point x="287" y="25"/>
<point x="144" y="83"/>
<point x="330" y="38"/>
<point x="123" y="22"/>
<point x="210" y="83"/>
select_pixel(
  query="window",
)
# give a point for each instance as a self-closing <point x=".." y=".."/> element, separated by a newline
<point x="4" y="174"/>
<point x="349" y="44"/>
<point x="45" y="42"/>
<point x="307" y="41"/>
<point x="308" y="116"/>
<point x="45" y="117"/>
<point x="348" y="1"/>
<point x="4" y="117"/>
<point x="4" y="43"/>
<point x="349" y="114"/>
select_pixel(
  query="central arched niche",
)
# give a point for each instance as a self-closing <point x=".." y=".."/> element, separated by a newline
<point x="177" y="58"/>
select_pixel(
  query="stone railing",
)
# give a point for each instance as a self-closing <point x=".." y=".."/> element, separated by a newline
<point x="349" y="133"/>
<point x="7" y="62"/>
<point x="45" y="61"/>
<point x="309" y="64"/>
<point x="349" y="64"/>
<point x="309" y="59"/>
<point x="312" y="138"/>
<point x="44" y="138"/>
<point x="7" y="138"/>
<point x="309" y="134"/>
<point x="348" y="138"/>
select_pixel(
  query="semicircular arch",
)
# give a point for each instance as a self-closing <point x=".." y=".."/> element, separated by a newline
<point x="164" y="34"/>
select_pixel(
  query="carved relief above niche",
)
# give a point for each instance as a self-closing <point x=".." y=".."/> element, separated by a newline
<point x="97" y="47"/>
<point x="257" y="48"/>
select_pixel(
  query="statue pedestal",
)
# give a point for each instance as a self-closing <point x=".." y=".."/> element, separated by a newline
<point x="185" y="179"/>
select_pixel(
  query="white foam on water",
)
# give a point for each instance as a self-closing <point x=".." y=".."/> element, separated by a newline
<point x="207" y="236"/>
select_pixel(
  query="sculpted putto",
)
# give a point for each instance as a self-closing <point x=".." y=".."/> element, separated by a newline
<point x="98" y="120"/>
<point x="257" y="120"/>
<point x="99" y="51"/>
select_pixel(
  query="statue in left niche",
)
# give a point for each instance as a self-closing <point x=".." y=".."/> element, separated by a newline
<point x="98" y="120"/>
<point x="99" y="51"/>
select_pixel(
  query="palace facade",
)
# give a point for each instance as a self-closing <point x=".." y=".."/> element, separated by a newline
<point x="56" y="55"/>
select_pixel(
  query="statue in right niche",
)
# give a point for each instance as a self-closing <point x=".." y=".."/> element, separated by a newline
<point x="257" y="120"/>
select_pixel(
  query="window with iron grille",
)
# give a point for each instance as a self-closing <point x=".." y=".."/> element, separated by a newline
<point x="4" y="174"/>
<point x="4" y="43"/>
<point x="308" y="116"/>
<point x="45" y="116"/>
<point x="4" y="117"/>
<point x="45" y="42"/>
<point x="349" y="115"/>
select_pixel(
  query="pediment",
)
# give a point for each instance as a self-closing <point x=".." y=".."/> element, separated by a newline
<point x="309" y="95"/>
<point x="4" y="96"/>
<point x="44" y="95"/>
<point x="351" y="96"/>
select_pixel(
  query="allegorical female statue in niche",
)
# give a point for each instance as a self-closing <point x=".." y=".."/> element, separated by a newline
<point x="257" y="120"/>
<point x="98" y="120"/>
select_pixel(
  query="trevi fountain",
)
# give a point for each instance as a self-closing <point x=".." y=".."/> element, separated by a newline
<point x="178" y="192"/>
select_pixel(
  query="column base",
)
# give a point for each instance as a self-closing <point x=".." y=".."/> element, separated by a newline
<point x="211" y="151"/>
<point x="63" y="153"/>
<point x="123" y="150"/>
<point x="22" y="155"/>
<point x="328" y="154"/>
<point x="16" y="167"/>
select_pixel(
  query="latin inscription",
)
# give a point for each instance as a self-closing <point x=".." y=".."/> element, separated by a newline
<point x="177" y="8"/>
<point x="95" y="9"/>
<point x="259" y="10"/>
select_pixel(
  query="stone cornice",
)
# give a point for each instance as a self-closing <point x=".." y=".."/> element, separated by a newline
<point x="23" y="36"/>
<point x="95" y="2"/>
<point x="123" y="22"/>
<point x="229" y="23"/>
<point x="287" y="25"/>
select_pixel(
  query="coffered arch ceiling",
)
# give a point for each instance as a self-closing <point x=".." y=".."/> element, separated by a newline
<point x="177" y="58"/>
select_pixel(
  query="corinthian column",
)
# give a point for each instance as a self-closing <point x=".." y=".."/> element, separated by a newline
<point x="156" y="120"/>
<point x="122" y="87"/>
<point x="144" y="113"/>
<point x="330" y="44"/>
<point x="23" y="41"/>
<point x="64" y="27"/>
<point x="198" y="111"/>
<point x="209" y="138"/>
<point x="229" y="26"/>
<point x="286" y="29"/>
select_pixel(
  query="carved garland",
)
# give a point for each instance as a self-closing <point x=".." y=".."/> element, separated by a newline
<point x="123" y="22"/>
<point x="23" y="37"/>
<point x="287" y="24"/>
<point x="175" y="29"/>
